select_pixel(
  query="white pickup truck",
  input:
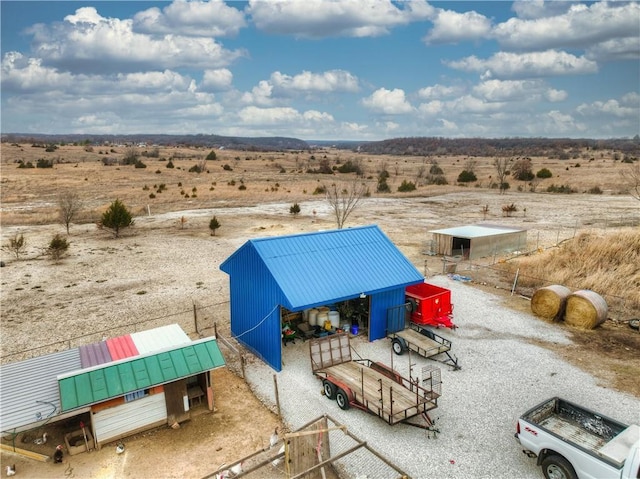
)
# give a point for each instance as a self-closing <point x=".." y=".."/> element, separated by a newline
<point x="572" y="442"/>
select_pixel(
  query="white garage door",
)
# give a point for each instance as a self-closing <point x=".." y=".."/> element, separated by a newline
<point x="132" y="416"/>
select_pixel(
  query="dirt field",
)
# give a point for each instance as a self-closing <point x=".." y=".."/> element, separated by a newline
<point x="168" y="262"/>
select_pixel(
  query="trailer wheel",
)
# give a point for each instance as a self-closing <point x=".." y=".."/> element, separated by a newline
<point x="411" y="305"/>
<point x="557" y="467"/>
<point x="342" y="400"/>
<point x="329" y="389"/>
<point x="398" y="346"/>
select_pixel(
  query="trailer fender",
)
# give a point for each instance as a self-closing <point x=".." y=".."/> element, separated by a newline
<point x="335" y="386"/>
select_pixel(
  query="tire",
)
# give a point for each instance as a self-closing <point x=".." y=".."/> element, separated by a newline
<point x="329" y="389"/>
<point x="397" y="346"/>
<point x="557" y="467"/>
<point x="342" y="399"/>
<point x="634" y="324"/>
<point x="411" y="305"/>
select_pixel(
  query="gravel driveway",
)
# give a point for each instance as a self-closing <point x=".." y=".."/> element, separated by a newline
<point x="504" y="373"/>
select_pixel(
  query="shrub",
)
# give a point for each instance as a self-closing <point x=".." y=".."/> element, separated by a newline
<point x="320" y="190"/>
<point x="294" y="209"/>
<point x="116" y="218"/>
<point x="226" y="167"/>
<point x="509" y="209"/>
<point x="211" y="156"/>
<point x="242" y="187"/>
<point x="214" y="224"/>
<point x="407" y="186"/>
<point x="170" y="164"/>
<point x="42" y="163"/>
<point x="383" y="186"/>
<point x="560" y="189"/>
<point x="139" y="164"/>
<point x="22" y="164"/>
<point x="595" y="190"/>
<point x="350" y="167"/>
<point x="17" y="245"/>
<point x="57" y="247"/>
<point x="467" y="176"/>
<point x="435" y="169"/>
<point x="544" y="173"/>
<point x="195" y="169"/>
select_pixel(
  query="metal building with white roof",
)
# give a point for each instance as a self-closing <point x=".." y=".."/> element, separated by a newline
<point x="478" y="241"/>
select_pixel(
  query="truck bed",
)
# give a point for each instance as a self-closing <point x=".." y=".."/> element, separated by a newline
<point x="599" y="435"/>
<point x="380" y="394"/>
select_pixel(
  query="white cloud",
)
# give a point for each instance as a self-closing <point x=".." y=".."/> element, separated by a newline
<point x="581" y="26"/>
<point x="432" y="108"/>
<point x="517" y="91"/>
<point x="22" y="74"/>
<point x="328" y="81"/>
<point x="439" y="91"/>
<point x="322" y="18"/>
<point x="390" y="102"/>
<point x="539" y="8"/>
<point x="216" y="80"/>
<point x="88" y="42"/>
<point x="618" y="49"/>
<point x="317" y="116"/>
<point x="526" y="65"/>
<point x="609" y="108"/>
<point x="213" y="18"/>
<point x="260" y="95"/>
<point x="453" y="27"/>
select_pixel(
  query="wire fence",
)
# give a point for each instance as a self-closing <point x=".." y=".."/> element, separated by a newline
<point x="496" y="271"/>
<point x="197" y="320"/>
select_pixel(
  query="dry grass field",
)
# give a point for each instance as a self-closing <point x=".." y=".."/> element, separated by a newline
<point x="167" y="263"/>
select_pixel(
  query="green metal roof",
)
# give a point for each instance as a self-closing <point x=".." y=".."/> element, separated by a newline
<point x="111" y="380"/>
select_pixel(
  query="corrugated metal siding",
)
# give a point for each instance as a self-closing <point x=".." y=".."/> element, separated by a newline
<point x="121" y="347"/>
<point x="100" y="383"/>
<point x="159" y="338"/>
<point x="119" y="421"/>
<point x="29" y="389"/>
<point x="94" y="354"/>
<point x="327" y="266"/>
<point x="255" y="311"/>
<point x="379" y="305"/>
<point x="336" y="265"/>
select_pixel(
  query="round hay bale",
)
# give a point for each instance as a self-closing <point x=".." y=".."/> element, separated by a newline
<point x="549" y="302"/>
<point x="586" y="309"/>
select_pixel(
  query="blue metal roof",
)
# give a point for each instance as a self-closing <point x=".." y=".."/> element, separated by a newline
<point x="313" y="268"/>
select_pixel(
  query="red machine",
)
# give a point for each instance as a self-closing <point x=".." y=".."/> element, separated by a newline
<point x="430" y="305"/>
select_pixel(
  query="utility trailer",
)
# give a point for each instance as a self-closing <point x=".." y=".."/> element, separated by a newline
<point x="430" y="305"/>
<point x="424" y="342"/>
<point x="371" y="386"/>
<point x="406" y="335"/>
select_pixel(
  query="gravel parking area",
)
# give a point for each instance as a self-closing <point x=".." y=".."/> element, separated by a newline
<point x="505" y="370"/>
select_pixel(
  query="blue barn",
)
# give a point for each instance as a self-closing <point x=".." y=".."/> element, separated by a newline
<point x="270" y="276"/>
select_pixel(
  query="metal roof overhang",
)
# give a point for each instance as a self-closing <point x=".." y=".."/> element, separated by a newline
<point x="100" y="383"/>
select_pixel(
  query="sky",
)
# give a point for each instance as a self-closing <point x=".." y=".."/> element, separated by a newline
<point x="322" y="69"/>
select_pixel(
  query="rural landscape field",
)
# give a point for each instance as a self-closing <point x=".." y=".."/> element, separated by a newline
<point x="164" y="268"/>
